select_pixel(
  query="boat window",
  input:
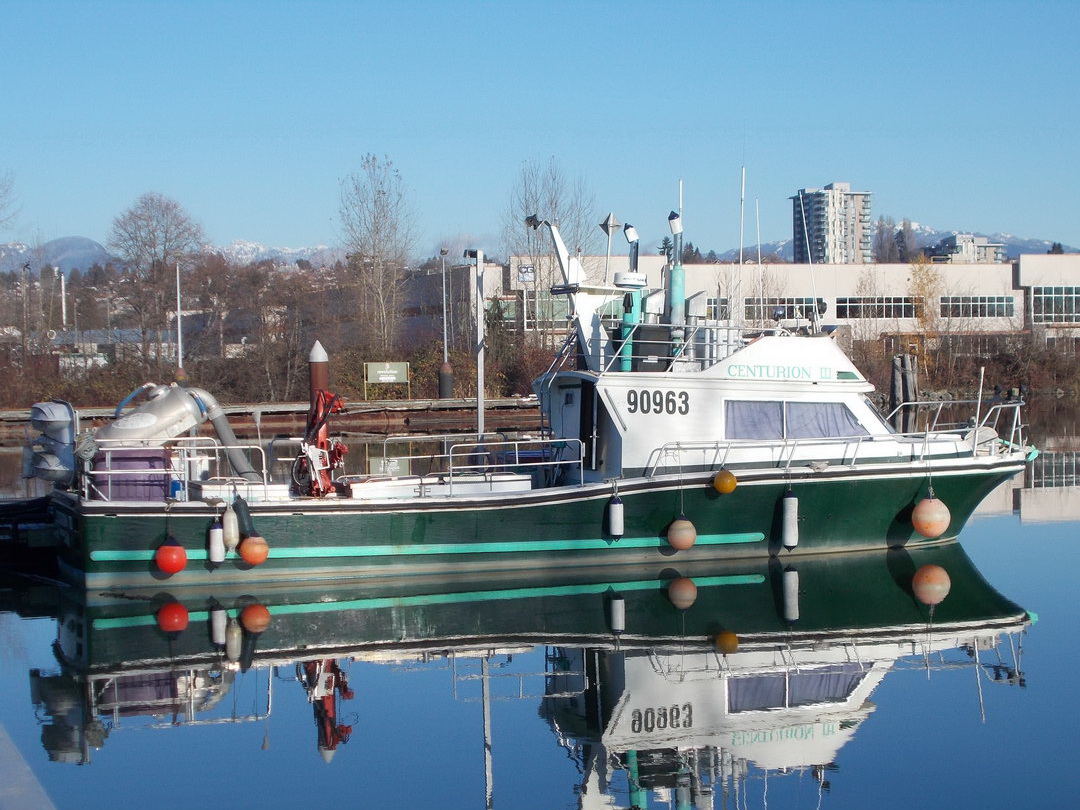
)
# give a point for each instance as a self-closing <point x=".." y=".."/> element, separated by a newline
<point x="756" y="693"/>
<point x="828" y="685"/>
<point x="791" y="420"/>
<point x="814" y="420"/>
<point x="754" y="420"/>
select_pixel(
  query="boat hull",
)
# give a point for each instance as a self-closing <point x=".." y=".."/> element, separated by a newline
<point x="113" y="544"/>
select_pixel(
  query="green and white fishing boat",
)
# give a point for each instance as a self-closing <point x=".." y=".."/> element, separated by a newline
<point x="666" y="436"/>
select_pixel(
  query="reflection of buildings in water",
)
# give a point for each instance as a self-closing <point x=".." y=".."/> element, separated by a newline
<point x="676" y="703"/>
<point x="1048" y="491"/>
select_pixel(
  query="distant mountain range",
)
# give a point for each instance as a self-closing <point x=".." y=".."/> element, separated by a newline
<point x="77" y="252"/>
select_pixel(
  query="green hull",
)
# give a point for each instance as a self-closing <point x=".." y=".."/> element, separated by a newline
<point x="840" y="596"/>
<point x="113" y="545"/>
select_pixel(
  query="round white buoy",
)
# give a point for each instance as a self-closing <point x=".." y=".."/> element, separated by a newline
<point x="789" y="531"/>
<point x="681" y="534"/>
<point x="791" y="594"/>
<point x="931" y="517"/>
<point x="615" y="517"/>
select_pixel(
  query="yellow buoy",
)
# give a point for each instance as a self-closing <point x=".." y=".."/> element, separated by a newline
<point x="726" y="642"/>
<point x="725" y="482"/>
<point x="931" y="517"/>
<point x="681" y="534"/>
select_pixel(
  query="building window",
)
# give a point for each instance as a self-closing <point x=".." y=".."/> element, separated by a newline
<point x="882" y="306"/>
<point x="977" y="306"/>
<point x="1055" y="304"/>
<point x="767" y="309"/>
<point x="543" y="311"/>
<point x="716" y="309"/>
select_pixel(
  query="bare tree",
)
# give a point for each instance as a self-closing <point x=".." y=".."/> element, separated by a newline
<point x="378" y="218"/>
<point x="542" y="188"/>
<point x="7" y="199"/>
<point x="907" y="247"/>
<point x="153" y="237"/>
<point x="886" y="251"/>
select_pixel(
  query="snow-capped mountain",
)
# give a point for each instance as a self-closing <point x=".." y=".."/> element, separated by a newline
<point x="244" y="252"/>
<point x="68" y="253"/>
<point x="79" y="253"/>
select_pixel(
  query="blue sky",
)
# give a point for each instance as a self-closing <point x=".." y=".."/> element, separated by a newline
<point x="954" y="114"/>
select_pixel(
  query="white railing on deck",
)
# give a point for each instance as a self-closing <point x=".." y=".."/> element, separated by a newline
<point x="189" y="459"/>
<point x="457" y="459"/>
<point x="852" y="450"/>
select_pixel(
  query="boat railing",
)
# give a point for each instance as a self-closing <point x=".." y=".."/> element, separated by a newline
<point x="660" y="347"/>
<point x="454" y="456"/>
<point x="1003" y="416"/>
<point x="545" y="459"/>
<point x="120" y="471"/>
<point x="999" y="430"/>
<point x="668" y="348"/>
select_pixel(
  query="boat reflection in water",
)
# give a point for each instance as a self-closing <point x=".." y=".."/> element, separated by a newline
<point x="688" y="680"/>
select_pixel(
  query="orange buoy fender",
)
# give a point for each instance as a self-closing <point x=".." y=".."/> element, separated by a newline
<point x="681" y="534"/>
<point x="255" y="618"/>
<point x="254" y="550"/>
<point x="931" y="584"/>
<point x="170" y="557"/>
<point x="172" y="617"/>
<point x="931" y="517"/>
<point x="682" y="592"/>
<point x="725" y="482"/>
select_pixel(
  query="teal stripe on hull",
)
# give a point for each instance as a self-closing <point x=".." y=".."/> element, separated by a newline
<point x="104" y="555"/>
<point x="382" y="602"/>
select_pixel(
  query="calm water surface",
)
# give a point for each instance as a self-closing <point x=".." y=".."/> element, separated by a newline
<point x="444" y="704"/>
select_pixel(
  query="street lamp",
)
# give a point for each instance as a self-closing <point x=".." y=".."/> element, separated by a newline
<point x="446" y="374"/>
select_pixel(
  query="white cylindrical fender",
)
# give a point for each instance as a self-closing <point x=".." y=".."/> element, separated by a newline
<point x="790" y="527"/>
<point x="230" y="527"/>
<point x="615" y="517"/>
<point x="217" y="543"/>
<point x="791" y="594"/>
<point x="617" y="614"/>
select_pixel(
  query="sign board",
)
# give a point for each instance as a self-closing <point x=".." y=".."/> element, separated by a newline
<point x="386" y="372"/>
<point x="526" y="274"/>
<point x="396" y="467"/>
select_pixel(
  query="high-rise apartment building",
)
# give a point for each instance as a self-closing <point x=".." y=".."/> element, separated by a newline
<point x="832" y="225"/>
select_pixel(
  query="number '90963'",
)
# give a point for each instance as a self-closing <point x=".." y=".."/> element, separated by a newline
<point x="648" y="401"/>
